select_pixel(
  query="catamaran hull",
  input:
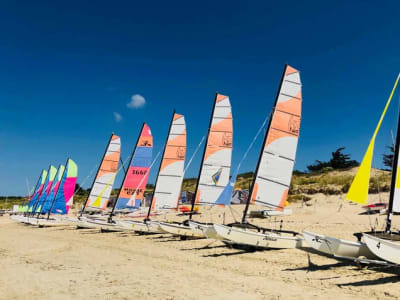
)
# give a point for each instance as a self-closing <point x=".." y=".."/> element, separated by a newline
<point x="337" y="247"/>
<point x="384" y="249"/>
<point x="207" y="230"/>
<point x="180" y="230"/>
<point x="260" y="240"/>
<point x="148" y="227"/>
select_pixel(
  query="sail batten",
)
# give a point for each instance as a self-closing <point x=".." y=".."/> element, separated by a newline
<point x="277" y="158"/>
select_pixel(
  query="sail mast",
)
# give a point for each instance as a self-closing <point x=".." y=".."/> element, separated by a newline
<point x="159" y="169"/>
<point x="202" y="159"/>
<point x="394" y="175"/>
<point x="55" y="196"/>
<point x="262" y="149"/>
<point x="97" y="173"/>
<point x="126" y="174"/>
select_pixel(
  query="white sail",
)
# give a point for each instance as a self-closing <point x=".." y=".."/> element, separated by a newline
<point x="215" y="170"/>
<point x="102" y="187"/>
<point x="169" y="181"/>
<point x="276" y="163"/>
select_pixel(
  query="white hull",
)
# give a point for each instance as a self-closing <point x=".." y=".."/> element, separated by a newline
<point x="337" y="247"/>
<point x="207" y="230"/>
<point x="180" y="229"/>
<point x="52" y="222"/>
<point x="148" y="227"/>
<point x="257" y="239"/>
<point x="382" y="248"/>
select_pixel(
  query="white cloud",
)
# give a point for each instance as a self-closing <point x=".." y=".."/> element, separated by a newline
<point x="137" y="101"/>
<point x="117" y="117"/>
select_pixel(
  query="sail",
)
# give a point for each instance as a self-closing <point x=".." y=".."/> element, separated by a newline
<point x="47" y="187"/>
<point x="216" y="166"/>
<point x="102" y="186"/>
<point x="56" y="183"/>
<point x="65" y="193"/>
<point x="358" y="191"/>
<point x="275" y="166"/>
<point x="36" y="193"/>
<point x="135" y="181"/>
<point x="169" y="180"/>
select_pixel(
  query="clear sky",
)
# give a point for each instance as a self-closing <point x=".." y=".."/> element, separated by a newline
<point x="68" y="72"/>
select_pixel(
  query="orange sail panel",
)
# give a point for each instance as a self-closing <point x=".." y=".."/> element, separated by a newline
<point x="102" y="186"/>
<point x="216" y="166"/>
<point x="169" y="181"/>
<point x="276" y="163"/>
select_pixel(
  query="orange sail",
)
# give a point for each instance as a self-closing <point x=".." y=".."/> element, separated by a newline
<point x="276" y="162"/>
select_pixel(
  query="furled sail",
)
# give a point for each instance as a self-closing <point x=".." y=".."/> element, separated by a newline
<point x="47" y="188"/>
<point x="36" y="193"/>
<point x="104" y="181"/>
<point x="134" y="183"/>
<point x="64" y="196"/>
<point x="56" y="183"/>
<point x="274" y="170"/>
<point x="216" y="165"/>
<point x="358" y="191"/>
<point x="170" y="176"/>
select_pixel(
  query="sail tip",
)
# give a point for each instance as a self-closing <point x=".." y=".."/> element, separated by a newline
<point x="290" y="70"/>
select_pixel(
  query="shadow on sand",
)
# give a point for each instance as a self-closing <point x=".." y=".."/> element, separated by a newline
<point x="391" y="279"/>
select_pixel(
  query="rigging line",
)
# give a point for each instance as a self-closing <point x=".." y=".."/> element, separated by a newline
<point x="194" y="153"/>
<point x="248" y="150"/>
<point x="84" y="181"/>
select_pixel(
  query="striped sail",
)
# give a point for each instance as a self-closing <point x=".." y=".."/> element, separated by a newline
<point x="358" y="191"/>
<point x="64" y="196"/>
<point x="56" y="183"/>
<point x="36" y="193"/>
<point x="102" y="186"/>
<point x="275" y="167"/>
<point x="47" y="188"/>
<point x="214" y="174"/>
<point x="169" y="181"/>
<point x="134" y="184"/>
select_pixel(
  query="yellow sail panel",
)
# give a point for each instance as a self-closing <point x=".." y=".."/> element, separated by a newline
<point x="358" y="191"/>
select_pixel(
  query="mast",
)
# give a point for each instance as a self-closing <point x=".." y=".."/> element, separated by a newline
<point x="97" y="173"/>
<point x="202" y="159"/>
<point x="126" y="174"/>
<point x="262" y="149"/>
<point x="394" y="176"/>
<point x="55" y="196"/>
<point x="159" y="168"/>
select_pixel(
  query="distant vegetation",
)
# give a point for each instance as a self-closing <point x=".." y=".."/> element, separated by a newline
<point x="332" y="177"/>
<point x="388" y="158"/>
<point x="338" y="161"/>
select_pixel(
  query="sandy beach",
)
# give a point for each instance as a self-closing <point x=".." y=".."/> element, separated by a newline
<point x="64" y="263"/>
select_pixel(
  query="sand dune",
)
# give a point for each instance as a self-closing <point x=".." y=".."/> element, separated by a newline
<point x="64" y="263"/>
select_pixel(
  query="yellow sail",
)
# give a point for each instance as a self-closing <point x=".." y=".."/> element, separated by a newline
<point x="358" y="191"/>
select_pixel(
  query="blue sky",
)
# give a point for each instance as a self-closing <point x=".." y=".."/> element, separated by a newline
<point x="66" y="69"/>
